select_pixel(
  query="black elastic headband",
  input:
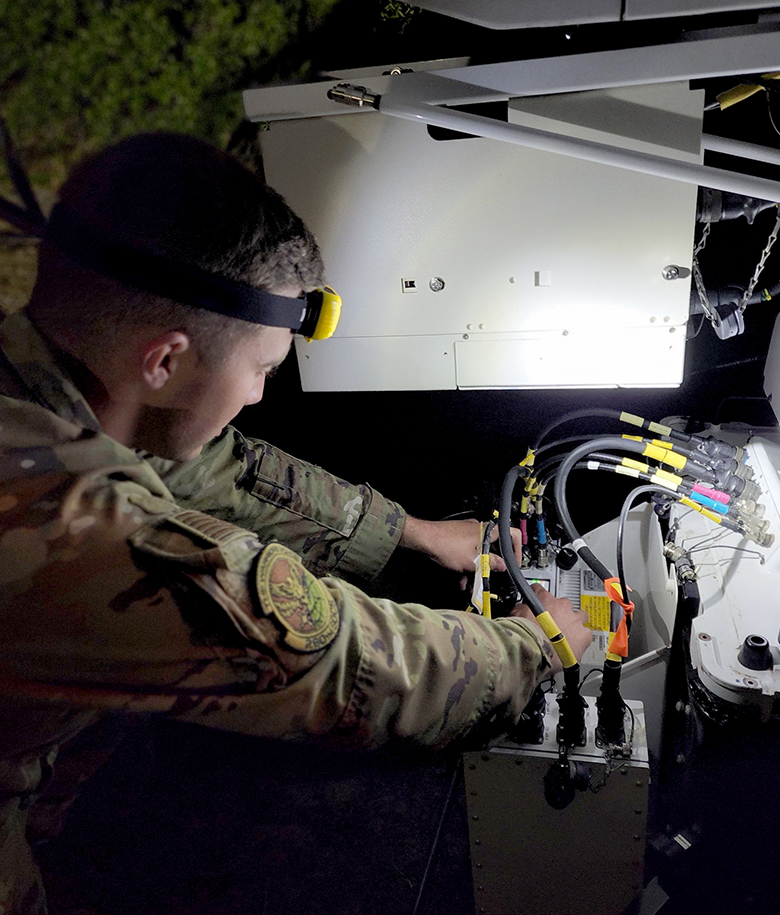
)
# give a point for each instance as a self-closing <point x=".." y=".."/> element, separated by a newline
<point x="87" y="246"/>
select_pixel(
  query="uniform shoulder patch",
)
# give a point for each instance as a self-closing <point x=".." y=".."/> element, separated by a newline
<point x="298" y="600"/>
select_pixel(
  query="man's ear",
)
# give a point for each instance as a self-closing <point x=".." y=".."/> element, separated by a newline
<point x="160" y="357"/>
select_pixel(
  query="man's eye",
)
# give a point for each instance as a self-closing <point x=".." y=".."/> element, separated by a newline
<point x="271" y="372"/>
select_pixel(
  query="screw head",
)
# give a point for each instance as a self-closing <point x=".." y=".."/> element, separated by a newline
<point x="436" y="284"/>
<point x="671" y="272"/>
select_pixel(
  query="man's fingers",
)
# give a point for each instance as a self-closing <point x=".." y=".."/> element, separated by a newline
<point x="497" y="563"/>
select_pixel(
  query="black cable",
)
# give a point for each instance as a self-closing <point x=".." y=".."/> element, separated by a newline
<point x="505" y="540"/>
<point x="608" y="442"/>
<point x="559" y="443"/>
<point x="575" y="414"/>
<point x="571" y="720"/>
<point x="771" y="116"/>
<point x="547" y="469"/>
<point x="584" y="680"/>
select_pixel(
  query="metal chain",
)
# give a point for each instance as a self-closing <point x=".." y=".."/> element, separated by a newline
<point x="760" y="266"/>
<point x="705" y="302"/>
<point x="703" y="240"/>
<point x="703" y="298"/>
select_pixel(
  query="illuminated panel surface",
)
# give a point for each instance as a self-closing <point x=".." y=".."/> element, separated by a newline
<point x="473" y="263"/>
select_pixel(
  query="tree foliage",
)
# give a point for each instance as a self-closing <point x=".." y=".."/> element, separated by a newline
<point x="77" y="74"/>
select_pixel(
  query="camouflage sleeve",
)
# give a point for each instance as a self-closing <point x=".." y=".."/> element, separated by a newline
<point x="113" y="598"/>
<point x="334" y="526"/>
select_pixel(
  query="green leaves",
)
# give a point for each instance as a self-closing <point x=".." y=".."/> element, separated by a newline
<point x="78" y="74"/>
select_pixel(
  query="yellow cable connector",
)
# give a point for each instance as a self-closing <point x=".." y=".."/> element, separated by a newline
<point x="636" y="465"/>
<point x="718" y="519"/>
<point x="558" y="640"/>
<point x="665" y="456"/>
<point x="634" y="420"/>
<point x="667" y="477"/>
<point x="741" y="92"/>
<point x="664" y="477"/>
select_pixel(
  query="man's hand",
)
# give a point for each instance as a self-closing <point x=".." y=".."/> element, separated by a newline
<point x="454" y="544"/>
<point x="571" y="622"/>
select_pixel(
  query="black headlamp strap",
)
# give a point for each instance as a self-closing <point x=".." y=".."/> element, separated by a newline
<point x="87" y="246"/>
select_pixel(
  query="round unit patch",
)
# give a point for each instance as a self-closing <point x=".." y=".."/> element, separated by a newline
<point x="298" y="600"/>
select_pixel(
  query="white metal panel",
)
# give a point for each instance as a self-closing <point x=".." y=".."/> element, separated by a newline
<point x="511" y="14"/>
<point x="658" y="9"/>
<point x="643" y="357"/>
<point x="720" y="55"/>
<point x="518" y="14"/>
<point x="524" y="241"/>
<point x="377" y="364"/>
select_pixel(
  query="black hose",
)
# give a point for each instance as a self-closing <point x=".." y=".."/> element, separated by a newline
<point x="505" y="539"/>
<point x="575" y="414"/>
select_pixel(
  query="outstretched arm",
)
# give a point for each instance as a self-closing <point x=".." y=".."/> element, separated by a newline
<point x="453" y="544"/>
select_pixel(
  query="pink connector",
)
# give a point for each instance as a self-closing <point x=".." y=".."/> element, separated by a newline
<point x="715" y="494"/>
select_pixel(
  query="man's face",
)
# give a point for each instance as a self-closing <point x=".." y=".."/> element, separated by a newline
<point x="204" y="398"/>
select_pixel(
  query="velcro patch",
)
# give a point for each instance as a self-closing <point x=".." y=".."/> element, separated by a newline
<point x="300" y="602"/>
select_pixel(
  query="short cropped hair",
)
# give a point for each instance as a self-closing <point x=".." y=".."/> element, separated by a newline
<point x="180" y="198"/>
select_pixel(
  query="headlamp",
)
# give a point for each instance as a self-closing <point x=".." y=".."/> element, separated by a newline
<point x="323" y="310"/>
<point x="314" y="315"/>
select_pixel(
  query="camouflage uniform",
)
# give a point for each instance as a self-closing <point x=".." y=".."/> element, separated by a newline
<point x="114" y="596"/>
